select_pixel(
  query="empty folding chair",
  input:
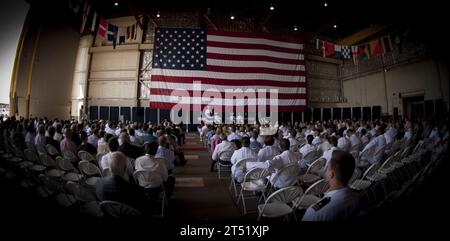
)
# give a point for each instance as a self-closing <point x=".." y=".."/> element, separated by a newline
<point x="361" y="184"/>
<point x="238" y="166"/>
<point x="86" y="156"/>
<point x="50" y="164"/>
<point x="276" y="204"/>
<point x="312" y="194"/>
<point x="71" y="172"/>
<point x="51" y="150"/>
<point x="87" y="201"/>
<point x="254" y="181"/>
<point x="286" y="176"/>
<point x="91" y="172"/>
<point x="312" y="174"/>
<point x="69" y="156"/>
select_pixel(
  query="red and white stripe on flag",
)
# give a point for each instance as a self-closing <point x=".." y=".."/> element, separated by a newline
<point x="246" y="61"/>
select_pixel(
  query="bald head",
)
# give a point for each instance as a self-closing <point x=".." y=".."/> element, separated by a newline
<point x="118" y="163"/>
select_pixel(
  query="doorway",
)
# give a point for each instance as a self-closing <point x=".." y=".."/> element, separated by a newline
<point x="414" y="107"/>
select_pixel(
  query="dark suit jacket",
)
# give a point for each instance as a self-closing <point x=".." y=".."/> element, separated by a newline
<point x="115" y="188"/>
<point x="130" y="150"/>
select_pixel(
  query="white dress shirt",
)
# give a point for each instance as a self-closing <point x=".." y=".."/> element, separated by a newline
<point x="149" y="163"/>
<point x="343" y="205"/>
<point x="233" y="136"/>
<point x="354" y="140"/>
<point x="280" y="161"/>
<point x="93" y="140"/>
<point x="267" y="153"/>
<point x="307" y="148"/>
<point x="104" y="163"/>
<point x="344" y="144"/>
<point x="243" y="153"/>
<point x="167" y="154"/>
<point x="378" y="143"/>
<point x="224" y="147"/>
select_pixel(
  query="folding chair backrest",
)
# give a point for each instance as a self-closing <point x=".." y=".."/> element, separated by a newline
<point x="242" y="162"/>
<point x="147" y="179"/>
<point x="85" y="156"/>
<point x="318" y="188"/>
<point x="31" y="155"/>
<point x="289" y="174"/>
<point x="371" y="170"/>
<point x="356" y="175"/>
<point x="316" y="166"/>
<point x="285" y="195"/>
<point x="80" y="192"/>
<point x="51" y="150"/>
<point x="88" y="168"/>
<point x="69" y="156"/>
<point x="46" y="160"/>
<point x="310" y="157"/>
<point x="64" y="164"/>
<point x="256" y="174"/>
<point x="388" y="162"/>
<point x="225" y="155"/>
<point x="119" y="210"/>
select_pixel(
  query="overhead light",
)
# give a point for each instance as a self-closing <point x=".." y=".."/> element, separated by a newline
<point x="158" y="15"/>
<point x="271" y="7"/>
<point x="116" y="3"/>
<point x="232" y="17"/>
<point x="295" y="28"/>
<point x="325" y="4"/>
<point x="335" y="26"/>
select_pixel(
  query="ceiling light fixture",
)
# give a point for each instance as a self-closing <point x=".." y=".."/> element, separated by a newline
<point x="271" y="7"/>
<point x="116" y="3"/>
<point x="232" y="17"/>
<point x="295" y="28"/>
<point x="335" y="26"/>
<point x="325" y="4"/>
<point x="158" y="15"/>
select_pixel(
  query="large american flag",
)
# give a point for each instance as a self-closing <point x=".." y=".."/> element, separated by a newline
<point x="224" y="60"/>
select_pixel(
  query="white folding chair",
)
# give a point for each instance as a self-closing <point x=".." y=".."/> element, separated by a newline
<point x="254" y="181"/>
<point x="310" y="157"/>
<point x="312" y="174"/>
<point x="69" y="156"/>
<point x="312" y="194"/>
<point x="362" y="184"/>
<point x="286" y="176"/>
<point x="91" y="172"/>
<point x="86" y="156"/>
<point x="52" y="151"/>
<point x="87" y="201"/>
<point x="239" y="165"/>
<point x="276" y="204"/>
<point x="119" y="210"/>
<point x="50" y="164"/>
<point x="71" y="171"/>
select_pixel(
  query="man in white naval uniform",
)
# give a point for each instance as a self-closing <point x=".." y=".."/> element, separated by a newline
<point x="340" y="203"/>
